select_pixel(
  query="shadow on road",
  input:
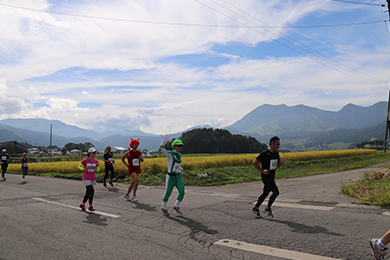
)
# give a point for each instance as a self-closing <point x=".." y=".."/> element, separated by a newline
<point x="112" y="189"/>
<point x="145" y="207"/>
<point x="195" y="226"/>
<point x="96" y="219"/>
<point x="305" y="229"/>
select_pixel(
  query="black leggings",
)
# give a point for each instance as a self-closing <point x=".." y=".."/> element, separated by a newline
<point x="268" y="187"/>
<point x="4" y="167"/>
<point x="111" y="169"/>
<point x="89" y="194"/>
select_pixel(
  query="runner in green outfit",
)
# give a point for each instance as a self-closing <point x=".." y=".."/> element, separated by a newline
<point x="173" y="177"/>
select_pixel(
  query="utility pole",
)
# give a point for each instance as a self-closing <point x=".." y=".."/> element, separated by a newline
<point x="51" y="131"/>
<point x="388" y="8"/>
<point x="387" y="121"/>
<point x="388" y="105"/>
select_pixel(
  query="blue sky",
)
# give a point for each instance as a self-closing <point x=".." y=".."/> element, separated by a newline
<point x="165" y="66"/>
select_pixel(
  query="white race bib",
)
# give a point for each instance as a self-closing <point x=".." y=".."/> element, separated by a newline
<point x="273" y="164"/>
<point x="25" y="165"/>
<point x="177" y="168"/>
<point x="4" y="157"/>
<point x="135" y="162"/>
<point x="91" y="167"/>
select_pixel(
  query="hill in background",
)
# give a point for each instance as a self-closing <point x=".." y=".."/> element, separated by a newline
<point x="303" y="127"/>
<point x="268" y="119"/>
<point x="299" y="127"/>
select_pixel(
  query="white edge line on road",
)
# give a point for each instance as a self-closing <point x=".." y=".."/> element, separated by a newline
<point x="73" y="207"/>
<point x="271" y="251"/>
<point x="300" y="206"/>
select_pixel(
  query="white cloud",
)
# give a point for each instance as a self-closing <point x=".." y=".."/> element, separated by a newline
<point x="50" y="42"/>
<point x="10" y="105"/>
<point x="138" y="75"/>
<point x="115" y="122"/>
<point x="63" y="104"/>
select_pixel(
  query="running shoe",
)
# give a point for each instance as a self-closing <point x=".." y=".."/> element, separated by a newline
<point x="91" y="208"/>
<point x="378" y="252"/>
<point x="165" y="211"/>
<point x="82" y="207"/>
<point x="110" y="182"/>
<point x="177" y="209"/>
<point x="4" y="178"/>
<point x="127" y="197"/>
<point x="268" y="212"/>
<point x="104" y="184"/>
<point x="256" y="212"/>
<point x="134" y="198"/>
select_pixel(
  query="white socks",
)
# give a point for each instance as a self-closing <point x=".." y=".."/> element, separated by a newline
<point x="177" y="204"/>
<point x="379" y="242"/>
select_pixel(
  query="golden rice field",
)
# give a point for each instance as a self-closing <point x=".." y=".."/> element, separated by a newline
<point x="158" y="165"/>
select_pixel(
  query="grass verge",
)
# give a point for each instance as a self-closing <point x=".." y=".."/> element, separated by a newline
<point x="371" y="189"/>
<point x="239" y="174"/>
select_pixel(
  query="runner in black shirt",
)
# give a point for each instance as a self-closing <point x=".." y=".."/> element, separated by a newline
<point x="270" y="160"/>
<point x="4" y="158"/>
<point x="108" y="166"/>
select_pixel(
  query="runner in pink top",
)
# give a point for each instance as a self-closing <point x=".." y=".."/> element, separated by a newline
<point x="89" y="165"/>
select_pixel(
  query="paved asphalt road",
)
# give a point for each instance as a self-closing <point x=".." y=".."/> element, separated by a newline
<point x="41" y="220"/>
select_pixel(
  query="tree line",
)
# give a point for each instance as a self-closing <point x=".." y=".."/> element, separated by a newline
<point x="209" y="140"/>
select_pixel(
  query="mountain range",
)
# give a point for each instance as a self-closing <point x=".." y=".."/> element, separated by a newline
<point x="299" y="127"/>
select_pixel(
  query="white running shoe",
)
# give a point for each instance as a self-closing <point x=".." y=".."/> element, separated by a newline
<point x="177" y="210"/>
<point x="127" y="197"/>
<point x="165" y="211"/>
<point x="378" y="251"/>
<point x="134" y="198"/>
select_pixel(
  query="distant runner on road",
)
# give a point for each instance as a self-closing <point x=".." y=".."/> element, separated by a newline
<point x="108" y="166"/>
<point x="269" y="160"/>
<point x="4" y="158"/>
<point x="24" y="161"/>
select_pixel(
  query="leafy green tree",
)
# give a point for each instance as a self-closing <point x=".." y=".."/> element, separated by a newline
<point x="208" y="140"/>
<point x="88" y="145"/>
<point x="80" y="146"/>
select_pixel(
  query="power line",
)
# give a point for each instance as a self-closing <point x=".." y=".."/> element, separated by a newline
<point x="320" y="57"/>
<point x="266" y="26"/>
<point x="188" y="24"/>
<point x="316" y="53"/>
<point x="328" y="25"/>
<point x="311" y="50"/>
<point x="353" y="2"/>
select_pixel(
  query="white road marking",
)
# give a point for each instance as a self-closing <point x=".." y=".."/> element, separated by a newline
<point x="271" y="251"/>
<point x="298" y="206"/>
<point x="288" y="203"/>
<point x="301" y="206"/>
<point x="73" y="207"/>
<point x="284" y="202"/>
